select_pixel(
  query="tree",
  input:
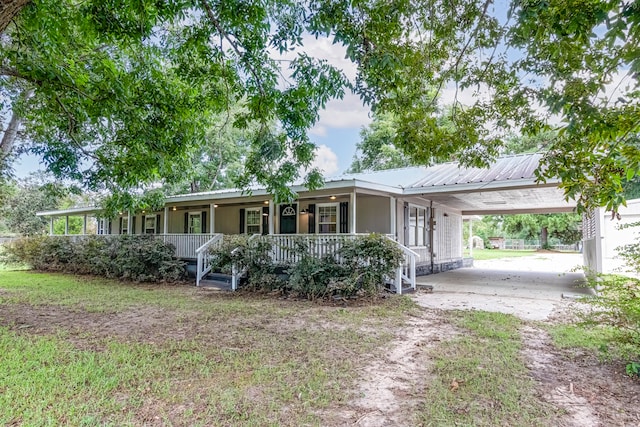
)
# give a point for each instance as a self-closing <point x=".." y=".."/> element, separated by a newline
<point x="28" y="196"/>
<point x="376" y="149"/>
<point x="122" y="87"/>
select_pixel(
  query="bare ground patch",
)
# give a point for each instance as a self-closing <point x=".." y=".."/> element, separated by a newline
<point x="592" y="392"/>
<point x="392" y="387"/>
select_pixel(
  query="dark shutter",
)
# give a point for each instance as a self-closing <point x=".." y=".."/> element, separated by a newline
<point x="311" y="218"/>
<point x="265" y="220"/>
<point x="186" y="223"/>
<point x="133" y="224"/>
<point x="120" y="226"/>
<point x="158" y="225"/>
<point x="109" y="226"/>
<point x="344" y="217"/>
<point x="204" y="222"/>
<point x="406" y="224"/>
<point x="241" y="221"/>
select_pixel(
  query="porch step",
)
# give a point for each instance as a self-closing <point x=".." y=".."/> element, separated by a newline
<point x="215" y="284"/>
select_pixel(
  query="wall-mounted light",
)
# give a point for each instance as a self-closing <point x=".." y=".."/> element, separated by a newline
<point x="142" y="211"/>
<point x="266" y="202"/>
<point x="332" y="197"/>
<point x="174" y="208"/>
<point x="304" y="212"/>
<point x="265" y="214"/>
<point x="215" y="206"/>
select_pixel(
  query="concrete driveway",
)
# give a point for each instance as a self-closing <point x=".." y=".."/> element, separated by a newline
<point x="529" y="287"/>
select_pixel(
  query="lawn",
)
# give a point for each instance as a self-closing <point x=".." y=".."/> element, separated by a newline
<point x="89" y="351"/>
<point x="81" y="351"/>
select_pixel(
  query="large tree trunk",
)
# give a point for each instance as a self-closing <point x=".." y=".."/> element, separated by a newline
<point x="9" y="137"/>
<point x="8" y="10"/>
<point x="11" y="132"/>
<point x="544" y="238"/>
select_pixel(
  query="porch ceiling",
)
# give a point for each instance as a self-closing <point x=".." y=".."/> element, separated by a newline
<point x="533" y="199"/>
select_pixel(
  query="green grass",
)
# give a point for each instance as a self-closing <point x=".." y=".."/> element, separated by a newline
<point x="484" y="254"/>
<point x="607" y="342"/>
<point x="494" y="386"/>
<point x="221" y="360"/>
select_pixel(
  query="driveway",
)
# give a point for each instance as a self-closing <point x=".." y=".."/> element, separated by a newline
<point x="529" y="287"/>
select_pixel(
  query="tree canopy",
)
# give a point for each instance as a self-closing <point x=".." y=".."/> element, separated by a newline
<point x="118" y="92"/>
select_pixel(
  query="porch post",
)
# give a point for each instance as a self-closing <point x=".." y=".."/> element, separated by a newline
<point x="212" y="218"/>
<point x="165" y="225"/>
<point x="129" y="222"/>
<point x="271" y="216"/>
<point x="470" y="237"/>
<point x="66" y="225"/>
<point x="51" y="226"/>
<point x="352" y="214"/>
<point x="392" y="217"/>
<point x="84" y="224"/>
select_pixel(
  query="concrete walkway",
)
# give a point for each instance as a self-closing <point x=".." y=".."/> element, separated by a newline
<point x="529" y="287"/>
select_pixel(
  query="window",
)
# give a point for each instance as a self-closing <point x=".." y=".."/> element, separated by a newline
<point x="418" y="226"/>
<point x="254" y="220"/>
<point x="150" y="224"/>
<point x="327" y="218"/>
<point x="124" y="228"/>
<point x="195" y="222"/>
<point x="102" y="226"/>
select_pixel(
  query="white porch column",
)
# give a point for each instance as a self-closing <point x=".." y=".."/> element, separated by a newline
<point x="165" y="225"/>
<point x="470" y="237"/>
<point x="212" y="218"/>
<point x="129" y="222"/>
<point x="272" y="210"/>
<point x="84" y="224"/>
<point x="51" y="226"/>
<point x="392" y="217"/>
<point x="66" y="225"/>
<point x="352" y="213"/>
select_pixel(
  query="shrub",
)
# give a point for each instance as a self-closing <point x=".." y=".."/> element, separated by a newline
<point x="137" y="258"/>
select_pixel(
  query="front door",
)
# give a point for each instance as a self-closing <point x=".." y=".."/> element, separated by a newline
<point x="288" y="219"/>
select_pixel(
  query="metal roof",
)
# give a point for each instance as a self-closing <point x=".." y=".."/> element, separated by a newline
<point x="397" y="178"/>
<point x="510" y="168"/>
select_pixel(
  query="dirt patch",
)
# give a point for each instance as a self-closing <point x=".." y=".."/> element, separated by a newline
<point x="591" y="392"/>
<point x="392" y="388"/>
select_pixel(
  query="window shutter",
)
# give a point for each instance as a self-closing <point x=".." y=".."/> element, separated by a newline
<point x="158" y="231"/>
<point x="265" y="220"/>
<point x="133" y="224"/>
<point x="311" y="217"/>
<point x="241" y="221"/>
<point x="120" y="226"/>
<point x="203" y="222"/>
<point x="344" y="217"/>
<point x="406" y="224"/>
<point x="108" y="226"/>
<point x="186" y="223"/>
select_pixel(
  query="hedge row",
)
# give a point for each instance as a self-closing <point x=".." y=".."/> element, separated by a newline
<point x="137" y="258"/>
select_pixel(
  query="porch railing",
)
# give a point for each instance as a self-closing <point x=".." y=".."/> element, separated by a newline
<point x="406" y="272"/>
<point x="283" y="251"/>
<point x="186" y="244"/>
<point x="203" y="257"/>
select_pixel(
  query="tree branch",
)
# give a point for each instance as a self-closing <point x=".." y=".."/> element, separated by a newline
<point x="209" y="10"/>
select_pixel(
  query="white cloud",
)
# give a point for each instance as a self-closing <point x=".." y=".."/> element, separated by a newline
<point x="326" y="160"/>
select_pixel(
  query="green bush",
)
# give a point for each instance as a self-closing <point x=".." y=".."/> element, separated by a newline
<point x="136" y="258"/>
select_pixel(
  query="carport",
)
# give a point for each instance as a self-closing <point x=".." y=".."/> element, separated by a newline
<point x="530" y="287"/>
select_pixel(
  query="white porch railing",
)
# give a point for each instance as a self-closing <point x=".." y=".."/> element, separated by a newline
<point x="203" y="257"/>
<point x="283" y="245"/>
<point x="406" y="272"/>
<point x="186" y="244"/>
<point x="283" y="251"/>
